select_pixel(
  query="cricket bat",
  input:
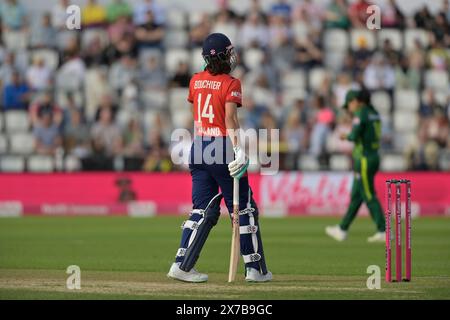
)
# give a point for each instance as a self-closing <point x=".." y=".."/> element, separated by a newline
<point x="235" y="243"/>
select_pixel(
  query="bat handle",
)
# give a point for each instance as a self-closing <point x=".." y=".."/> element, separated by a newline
<point x="235" y="192"/>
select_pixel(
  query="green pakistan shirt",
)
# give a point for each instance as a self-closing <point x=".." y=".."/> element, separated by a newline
<point x="366" y="132"/>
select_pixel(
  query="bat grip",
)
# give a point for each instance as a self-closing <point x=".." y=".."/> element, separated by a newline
<point x="235" y="192"/>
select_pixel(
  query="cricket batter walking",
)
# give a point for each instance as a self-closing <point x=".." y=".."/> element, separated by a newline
<point x="366" y="134"/>
<point x="216" y="158"/>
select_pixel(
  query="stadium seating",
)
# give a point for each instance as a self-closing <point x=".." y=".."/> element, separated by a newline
<point x="176" y="39"/>
<point x="411" y="35"/>
<point x="16" y="121"/>
<point x="335" y="40"/>
<point x="40" y="163"/>
<point x="382" y="102"/>
<point x="437" y="79"/>
<point x="21" y="143"/>
<point x="3" y="144"/>
<point x="174" y="57"/>
<point x="399" y="108"/>
<point x="357" y="34"/>
<point x="407" y="100"/>
<point x="405" y="121"/>
<point x="308" y="163"/>
<point x="393" y="162"/>
<point x="10" y="163"/>
<point x="395" y="36"/>
<point x="340" y="162"/>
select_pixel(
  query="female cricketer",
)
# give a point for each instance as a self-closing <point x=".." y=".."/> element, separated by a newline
<point x="216" y="158"/>
<point x="366" y="134"/>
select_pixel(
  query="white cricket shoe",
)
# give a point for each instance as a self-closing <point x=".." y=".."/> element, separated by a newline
<point x="254" y="275"/>
<point x="377" y="237"/>
<point x="192" y="276"/>
<point x="336" y="233"/>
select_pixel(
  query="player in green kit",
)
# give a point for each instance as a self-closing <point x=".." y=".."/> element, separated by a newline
<point x="366" y="134"/>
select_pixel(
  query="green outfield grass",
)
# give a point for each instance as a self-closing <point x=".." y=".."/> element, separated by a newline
<point x="128" y="258"/>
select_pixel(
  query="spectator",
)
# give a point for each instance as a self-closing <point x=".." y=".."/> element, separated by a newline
<point x="255" y="7"/>
<point x="429" y="105"/>
<point x="13" y="16"/>
<point x="93" y="15"/>
<point x="308" y="54"/>
<point x="133" y="140"/>
<point x="295" y="137"/>
<point x="14" y="25"/>
<point x="341" y="86"/>
<point x="343" y="126"/>
<point x="441" y="29"/>
<point x="281" y="8"/>
<point x="122" y="72"/>
<point x="321" y="129"/>
<point x="149" y="34"/>
<point x="254" y="113"/>
<point x="119" y="29"/>
<point x="125" y="46"/>
<point x="182" y="76"/>
<point x="46" y="134"/>
<point x="107" y="102"/>
<point x="117" y="9"/>
<point x="433" y="135"/>
<point x="226" y="24"/>
<point x="39" y="76"/>
<point x="7" y="68"/>
<point x="302" y="27"/>
<point x="312" y="10"/>
<point x="390" y="54"/>
<point x="152" y="75"/>
<point x="392" y="16"/>
<point x="253" y="33"/>
<point x="76" y="135"/>
<point x="72" y="72"/>
<point x="59" y="14"/>
<point x="45" y="104"/>
<point x="336" y="15"/>
<point x="379" y="75"/>
<point x="16" y="94"/>
<point x="361" y="56"/>
<point x="130" y="98"/>
<point x="423" y="18"/>
<point x="94" y="54"/>
<point x="45" y="35"/>
<point x="416" y="56"/>
<point x="144" y="6"/>
<point x="158" y="159"/>
<point x="200" y="31"/>
<point x="407" y="76"/>
<point x="105" y="135"/>
<point x="357" y="13"/>
<point x="438" y="57"/>
<point x="279" y="33"/>
<point x="97" y="88"/>
<point x="445" y="10"/>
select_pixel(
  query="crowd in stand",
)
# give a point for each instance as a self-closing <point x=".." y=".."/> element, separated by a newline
<point x="107" y="95"/>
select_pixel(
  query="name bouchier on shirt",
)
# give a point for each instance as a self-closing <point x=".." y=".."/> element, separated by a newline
<point x="207" y="84"/>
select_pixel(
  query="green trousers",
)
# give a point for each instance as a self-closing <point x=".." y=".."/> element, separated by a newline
<point x="363" y="190"/>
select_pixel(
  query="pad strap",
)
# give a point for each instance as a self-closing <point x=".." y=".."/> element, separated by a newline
<point x="248" y="211"/>
<point x="181" y="252"/>
<point x="253" y="257"/>
<point x="189" y="224"/>
<point x="248" y="229"/>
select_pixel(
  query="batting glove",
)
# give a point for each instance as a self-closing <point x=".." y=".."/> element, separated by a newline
<point x="239" y="165"/>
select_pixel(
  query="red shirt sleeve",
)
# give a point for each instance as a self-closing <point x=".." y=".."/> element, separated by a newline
<point x="234" y="92"/>
<point x="190" y="97"/>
